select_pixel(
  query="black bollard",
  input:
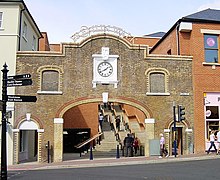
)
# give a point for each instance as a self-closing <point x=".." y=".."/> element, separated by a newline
<point x="117" y="155"/>
<point x="91" y="155"/>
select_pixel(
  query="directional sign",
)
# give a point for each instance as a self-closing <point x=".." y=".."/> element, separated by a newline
<point x="18" y="98"/>
<point x="20" y="76"/>
<point x="22" y="82"/>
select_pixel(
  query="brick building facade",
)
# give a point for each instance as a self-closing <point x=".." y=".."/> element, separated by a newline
<point x="192" y="35"/>
<point x="73" y="103"/>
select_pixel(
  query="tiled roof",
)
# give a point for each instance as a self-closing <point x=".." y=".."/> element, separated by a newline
<point x="207" y="15"/>
<point x="157" y="34"/>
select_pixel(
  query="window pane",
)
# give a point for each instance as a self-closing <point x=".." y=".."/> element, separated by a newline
<point x="212" y="112"/>
<point x="1" y="14"/>
<point x="211" y="41"/>
<point x="157" y="83"/>
<point x="50" y="81"/>
<point x="211" y="56"/>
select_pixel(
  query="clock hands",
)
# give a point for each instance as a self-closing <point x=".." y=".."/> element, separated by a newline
<point x="104" y="69"/>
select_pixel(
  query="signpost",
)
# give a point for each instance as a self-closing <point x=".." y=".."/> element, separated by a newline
<point x="20" y="76"/>
<point x="18" y="98"/>
<point x="11" y="81"/>
<point x="22" y="82"/>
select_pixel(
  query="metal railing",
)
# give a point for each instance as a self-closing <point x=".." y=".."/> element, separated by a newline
<point x="82" y="145"/>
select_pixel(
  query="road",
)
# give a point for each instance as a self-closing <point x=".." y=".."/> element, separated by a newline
<point x="200" y="169"/>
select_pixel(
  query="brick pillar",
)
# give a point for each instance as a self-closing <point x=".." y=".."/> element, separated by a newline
<point x="149" y="130"/>
<point x="189" y="139"/>
<point x="40" y="138"/>
<point x="167" y="140"/>
<point x="16" y="146"/>
<point x="58" y="139"/>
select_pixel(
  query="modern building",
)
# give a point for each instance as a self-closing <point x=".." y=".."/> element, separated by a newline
<point x="18" y="32"/>
<point x="197" y="35"/>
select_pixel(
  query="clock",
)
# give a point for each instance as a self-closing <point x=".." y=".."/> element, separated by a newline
<point x="105" y="69"/>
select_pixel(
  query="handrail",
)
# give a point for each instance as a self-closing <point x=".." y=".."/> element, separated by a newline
<point x="87" y="141"/>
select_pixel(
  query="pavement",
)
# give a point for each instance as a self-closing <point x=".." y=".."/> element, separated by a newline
<point x="79" y="162"/>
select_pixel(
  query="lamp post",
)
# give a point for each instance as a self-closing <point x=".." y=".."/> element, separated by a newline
<point x="3" y="144"/>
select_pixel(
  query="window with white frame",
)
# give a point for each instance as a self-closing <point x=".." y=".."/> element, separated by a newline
<point x="1" y="19"/>
<point x="211" y="48"/>
<point x="34" y="43"/>
<point x="24" y="31"/>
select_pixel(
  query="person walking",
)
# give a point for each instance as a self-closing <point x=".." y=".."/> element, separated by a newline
<point x="117" y="122"/>
<point x="101" y="118"/>
<point x="163" y="150"/>
<point x="212" y="139"/>
<point x="218" y="140"/>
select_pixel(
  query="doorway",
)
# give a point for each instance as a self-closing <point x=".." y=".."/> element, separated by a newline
<point x="179" y="140"/>
<point x="28" y="145"/>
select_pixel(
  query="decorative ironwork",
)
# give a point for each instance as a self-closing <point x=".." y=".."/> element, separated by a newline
<point x="97" y="29"/>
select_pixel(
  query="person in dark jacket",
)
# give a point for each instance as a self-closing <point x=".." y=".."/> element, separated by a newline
<point x="128" y="142"/>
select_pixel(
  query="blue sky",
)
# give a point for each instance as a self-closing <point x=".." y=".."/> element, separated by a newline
<point x="62" y="18"/>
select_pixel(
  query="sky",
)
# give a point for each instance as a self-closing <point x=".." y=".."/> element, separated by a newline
<point x="63" y="18"/>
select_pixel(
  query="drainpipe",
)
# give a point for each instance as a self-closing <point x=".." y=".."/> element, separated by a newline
<point x="177" y="38"/>
<point x="19" y="43"/>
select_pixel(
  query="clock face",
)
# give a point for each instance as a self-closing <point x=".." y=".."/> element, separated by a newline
<point x="105" y="69"/>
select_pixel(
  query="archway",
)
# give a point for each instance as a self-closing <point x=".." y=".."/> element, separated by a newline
<point x="82" y="114"/>
<point x="27" y="139"/>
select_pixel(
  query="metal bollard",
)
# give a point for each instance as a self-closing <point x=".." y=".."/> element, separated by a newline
<point x="91" y="155"/>
<point x="117" y="155"/>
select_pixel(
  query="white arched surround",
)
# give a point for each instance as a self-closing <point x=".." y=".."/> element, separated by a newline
<point x="28" y="126"/>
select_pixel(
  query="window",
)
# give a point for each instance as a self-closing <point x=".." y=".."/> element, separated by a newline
<point x="212" y="119"/>
<point x="211" y="48"/>
<point x="157" y="82"/>
<point x="24" y="32"/>
<point x="34" y="43"/>
<point x="50" y="80"/>
<point x="1" y="19"/>
<point x="212" y="112"/>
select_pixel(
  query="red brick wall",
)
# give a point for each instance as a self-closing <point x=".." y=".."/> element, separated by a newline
<point x="85" y="116"/>
<point x="205" y="79"/>
<point x="168" y="43"/>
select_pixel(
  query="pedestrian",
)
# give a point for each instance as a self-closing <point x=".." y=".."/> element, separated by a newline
<point x="101" y="118"/>
<point x="117" y="122"/>
<point x="163" y="150"/>
<point x="218" y="140"/>
<point x="212" y="139"/>
<point x="128" y="145"/>
<point x="136" y="145"/>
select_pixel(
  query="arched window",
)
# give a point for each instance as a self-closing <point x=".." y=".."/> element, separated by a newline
<point x="50" y="80"/>
<point x="157" y="82"/>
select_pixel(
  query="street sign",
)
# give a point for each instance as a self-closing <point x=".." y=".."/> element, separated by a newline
<point x="18" y="98"/>
<point x="20" y="76"/>
<point x="22" y="82"/>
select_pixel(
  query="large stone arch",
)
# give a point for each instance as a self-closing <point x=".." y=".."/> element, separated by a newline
<point x="124" y="100"/>
<point x="58" y="121"/>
